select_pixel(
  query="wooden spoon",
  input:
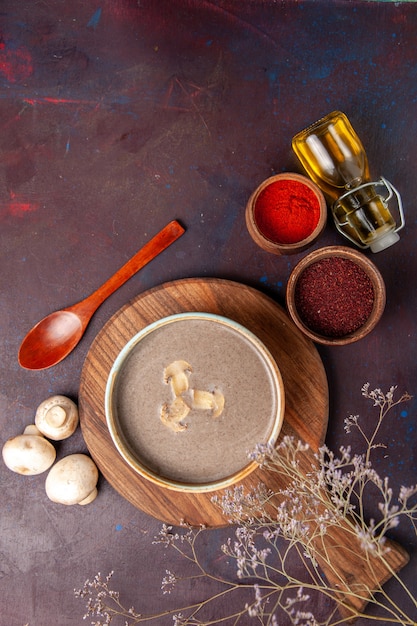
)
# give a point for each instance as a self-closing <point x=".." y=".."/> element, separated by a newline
<point x="54" y="337"/>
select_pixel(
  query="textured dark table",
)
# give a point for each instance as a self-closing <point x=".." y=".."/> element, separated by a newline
<point x="117" y="116"/>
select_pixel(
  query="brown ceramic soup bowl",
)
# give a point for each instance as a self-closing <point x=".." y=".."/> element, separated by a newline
<point x="335" y="295"/>
<point x="189" y="397"/>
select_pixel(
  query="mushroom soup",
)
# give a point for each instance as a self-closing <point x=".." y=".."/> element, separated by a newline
<point x="192" y="398"/>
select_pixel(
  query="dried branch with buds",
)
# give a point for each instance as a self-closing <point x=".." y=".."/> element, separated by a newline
<point x="280" y="552"/>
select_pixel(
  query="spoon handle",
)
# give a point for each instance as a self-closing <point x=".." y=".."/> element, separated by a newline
<point x="170" y="233"/>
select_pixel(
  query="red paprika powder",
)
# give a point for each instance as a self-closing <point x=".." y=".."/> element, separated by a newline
<point x="287" y="211"/>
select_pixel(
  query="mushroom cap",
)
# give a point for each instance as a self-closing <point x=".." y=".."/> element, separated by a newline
<point x="28" y="454"/>
<point x="72" y="480"/>
<point x="57" y="417"/>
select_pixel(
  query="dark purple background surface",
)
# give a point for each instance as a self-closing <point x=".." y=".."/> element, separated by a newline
<point x="118" y="116"/>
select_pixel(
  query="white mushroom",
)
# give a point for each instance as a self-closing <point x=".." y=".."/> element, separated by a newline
<point x="204" y="400"/>
<point x="176" y="373"/>
<point x="73" y="480"/>
<point x="29" y="453"/>
<point x="57" y="417"/>
<point x="172" y="415"/>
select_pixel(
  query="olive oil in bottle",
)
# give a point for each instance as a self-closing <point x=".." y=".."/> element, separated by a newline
<point x="334" y="158"/>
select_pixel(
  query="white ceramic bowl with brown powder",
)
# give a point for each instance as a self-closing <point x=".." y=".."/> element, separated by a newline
<point x="189" y="397"/>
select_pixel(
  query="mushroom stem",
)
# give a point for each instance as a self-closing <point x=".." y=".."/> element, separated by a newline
<point x="56" y="416"/>
<point x="92" y="496"/>
<point x="32" y="429"/>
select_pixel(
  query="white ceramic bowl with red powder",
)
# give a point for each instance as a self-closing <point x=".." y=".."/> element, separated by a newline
<point x="286" y="213"/>
<point x="335" y="295"/>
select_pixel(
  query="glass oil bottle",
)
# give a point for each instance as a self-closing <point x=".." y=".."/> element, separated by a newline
<point x="334" y="158"/>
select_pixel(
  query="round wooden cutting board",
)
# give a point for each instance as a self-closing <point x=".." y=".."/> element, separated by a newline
<point x="305" y="384"/>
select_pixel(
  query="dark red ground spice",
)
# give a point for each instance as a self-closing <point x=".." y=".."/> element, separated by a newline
<point x="334" y="297"/>
<point x="287" y="211"/>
